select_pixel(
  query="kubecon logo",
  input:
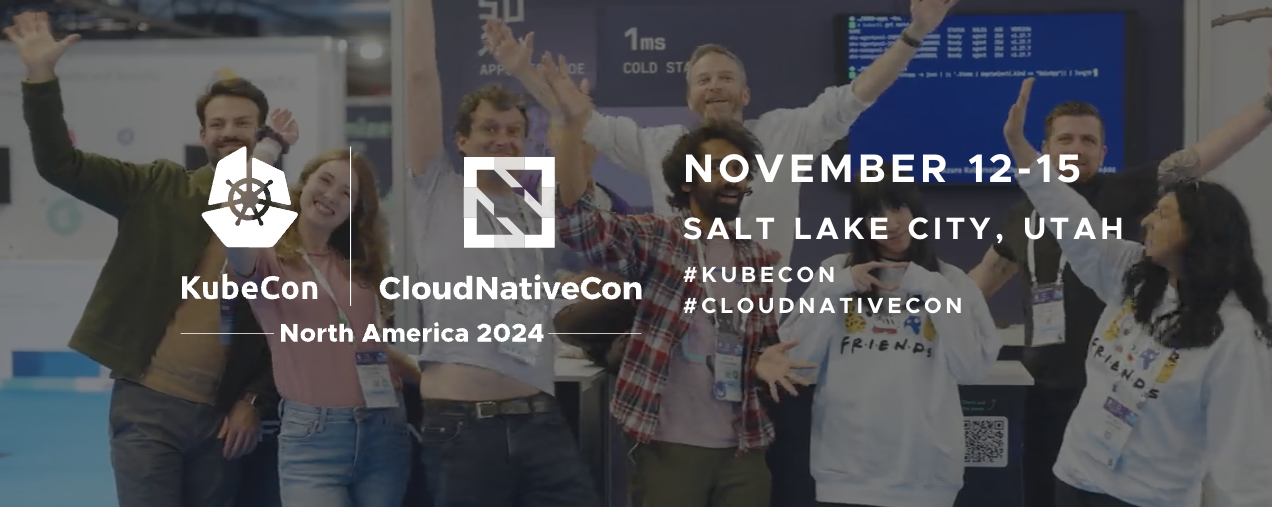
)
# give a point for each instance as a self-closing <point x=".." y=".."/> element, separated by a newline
<point x="245" y="190"/>
<point x="546" y="210"/>
<point x="237" y="187"/>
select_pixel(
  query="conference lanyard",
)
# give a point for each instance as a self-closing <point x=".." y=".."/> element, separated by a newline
<point x="509" y="263"/>
<point x="322" y="282"/>
<point x="1033" y="266"/>
<point x="227" y="314"/>
<point x="716" y="320"/>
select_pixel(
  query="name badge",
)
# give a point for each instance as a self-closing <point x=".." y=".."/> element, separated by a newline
<point x="376" y="380"/>
<point x="728" y="367"/>
<point x="1119" y="421"/>
<point x="1048" y="315"/>
<point x="528" y="315"/>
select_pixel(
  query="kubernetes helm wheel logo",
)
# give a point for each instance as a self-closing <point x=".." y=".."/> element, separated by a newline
<point x="546" y="238"/>
<point x="246" y="189"/>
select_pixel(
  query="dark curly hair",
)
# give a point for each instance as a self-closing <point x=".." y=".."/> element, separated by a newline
<point x="1217" y="260"/>
<point x="675" y="165"/>
<point x="873" y="200"/>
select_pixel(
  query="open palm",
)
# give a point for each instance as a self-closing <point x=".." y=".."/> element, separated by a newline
<point x="774" y="368"/>
<point x="34" y="39"/>
<point x="573" y="99"/>
<point x="282" y="122"/>
<point x="926" y="15"/>
<point x="513" y="54"/>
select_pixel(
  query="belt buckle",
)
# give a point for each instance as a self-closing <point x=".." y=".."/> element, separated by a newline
<point x="481" y="409"/>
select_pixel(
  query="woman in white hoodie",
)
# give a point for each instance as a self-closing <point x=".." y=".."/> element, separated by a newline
<point x="887" y="418"/>
<point x="1179" y="374"/>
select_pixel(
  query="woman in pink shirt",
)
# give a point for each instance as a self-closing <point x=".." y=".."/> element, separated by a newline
<point x="343" y="437"/>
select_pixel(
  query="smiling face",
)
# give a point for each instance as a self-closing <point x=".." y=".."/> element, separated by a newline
<point x="898" y="239"/>
<point x="717" y="84"/>
<point x="718" y="198"/>
<point x="230" y="113"/>
<point x="230" y="123"/>
<point x="495" y="132"/>
<point x="325" y="200"/>
<point x="1164" y="233"/>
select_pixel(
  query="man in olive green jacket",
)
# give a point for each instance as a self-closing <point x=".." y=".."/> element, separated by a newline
<point x="185" y="405"/>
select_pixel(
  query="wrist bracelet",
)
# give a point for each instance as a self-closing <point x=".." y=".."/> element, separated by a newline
<point x="910" y="41"/>
<point x="1267" y="101"/>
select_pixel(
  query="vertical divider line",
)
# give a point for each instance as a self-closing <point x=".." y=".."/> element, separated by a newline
<point x="351" y="226"/>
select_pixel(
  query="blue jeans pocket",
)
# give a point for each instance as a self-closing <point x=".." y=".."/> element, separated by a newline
<point x="294" y="428"/>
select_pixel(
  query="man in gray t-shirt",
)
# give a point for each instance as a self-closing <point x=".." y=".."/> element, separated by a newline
<point x="492" y="432"/>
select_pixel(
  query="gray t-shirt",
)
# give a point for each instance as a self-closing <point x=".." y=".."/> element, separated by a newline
<point x="440" y="256"/>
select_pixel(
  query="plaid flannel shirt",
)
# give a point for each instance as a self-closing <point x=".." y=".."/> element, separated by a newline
<point x="653" y="251"/>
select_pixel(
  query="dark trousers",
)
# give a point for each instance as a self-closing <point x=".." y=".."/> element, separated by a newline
<point x="790" y="455"/>
<point x="258" y="486"/>
<point x="1047" y="412"/>
<point x="505" y="461"/>
<point x="1069" y="496"/>
<point x="677" y="475"/>
<point x="165" y="451"/>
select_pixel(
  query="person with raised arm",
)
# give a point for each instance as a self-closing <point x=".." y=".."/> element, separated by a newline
<point x="899" y="446"/>
<point x="185" y="405"/>
<point x="343" y="436"/>
<point x="717" y="90"/>
<point x="689" y="387"/>
<point x="582" y="318"/>
<point x="1058" y="322"/>
<point x="1179" y="373"/>
<point x="493" y="434"/>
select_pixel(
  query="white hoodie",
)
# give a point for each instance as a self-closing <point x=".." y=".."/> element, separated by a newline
<point x="887" y="417"/>
<point x="1208" y="407"/>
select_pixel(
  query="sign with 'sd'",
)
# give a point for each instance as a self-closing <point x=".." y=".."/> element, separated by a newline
<point x="507" y="169"/>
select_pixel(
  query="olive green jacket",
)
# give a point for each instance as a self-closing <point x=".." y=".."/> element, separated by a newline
<point x="161" y="237"/>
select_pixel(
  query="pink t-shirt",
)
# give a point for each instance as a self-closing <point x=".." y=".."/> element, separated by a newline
<point x="320" y="374"/>
<point x="690" y="414"/>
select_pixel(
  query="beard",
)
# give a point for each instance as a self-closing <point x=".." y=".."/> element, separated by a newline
<point x="715" y="203"/>
<point x="214" y="149"/>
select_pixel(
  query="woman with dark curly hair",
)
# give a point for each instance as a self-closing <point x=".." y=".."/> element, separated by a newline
<point x="1179" y="374"/>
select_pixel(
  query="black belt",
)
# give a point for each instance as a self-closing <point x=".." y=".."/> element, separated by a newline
<point x="537" y="404"/>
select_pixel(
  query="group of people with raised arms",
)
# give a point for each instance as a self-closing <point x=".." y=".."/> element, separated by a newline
<point x="1178" y="371"/>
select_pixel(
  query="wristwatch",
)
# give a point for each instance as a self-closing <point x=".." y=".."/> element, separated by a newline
<point x="251" y="399"/>
<point x="1267" y="101"/>
<point x="910" y="41"/>
<point x="265" y="131"/>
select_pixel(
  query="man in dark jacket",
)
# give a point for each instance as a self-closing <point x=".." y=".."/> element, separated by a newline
<point x="185" y="405"/>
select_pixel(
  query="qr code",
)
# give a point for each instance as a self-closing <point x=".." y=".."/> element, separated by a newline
<point x="986" y="441"/>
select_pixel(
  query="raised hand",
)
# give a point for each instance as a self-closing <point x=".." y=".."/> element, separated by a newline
<point x="576" y="106"/>
<point x="864" y="281"/>
<point x="513" y="54"/>
<point x="1014" y="129"/>
<point x="282" y="122"/>
<point x="36" y="46"/>
<point x="926" y="15"/>
<point x="774" y="368"/>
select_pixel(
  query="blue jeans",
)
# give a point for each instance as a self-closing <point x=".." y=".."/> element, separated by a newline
<point x="505" y="461"/>
<point x="165" y="451"/>
<point x="342" y="457"/>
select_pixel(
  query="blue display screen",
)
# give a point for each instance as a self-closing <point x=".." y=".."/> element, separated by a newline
<point x="953" y="98"/>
